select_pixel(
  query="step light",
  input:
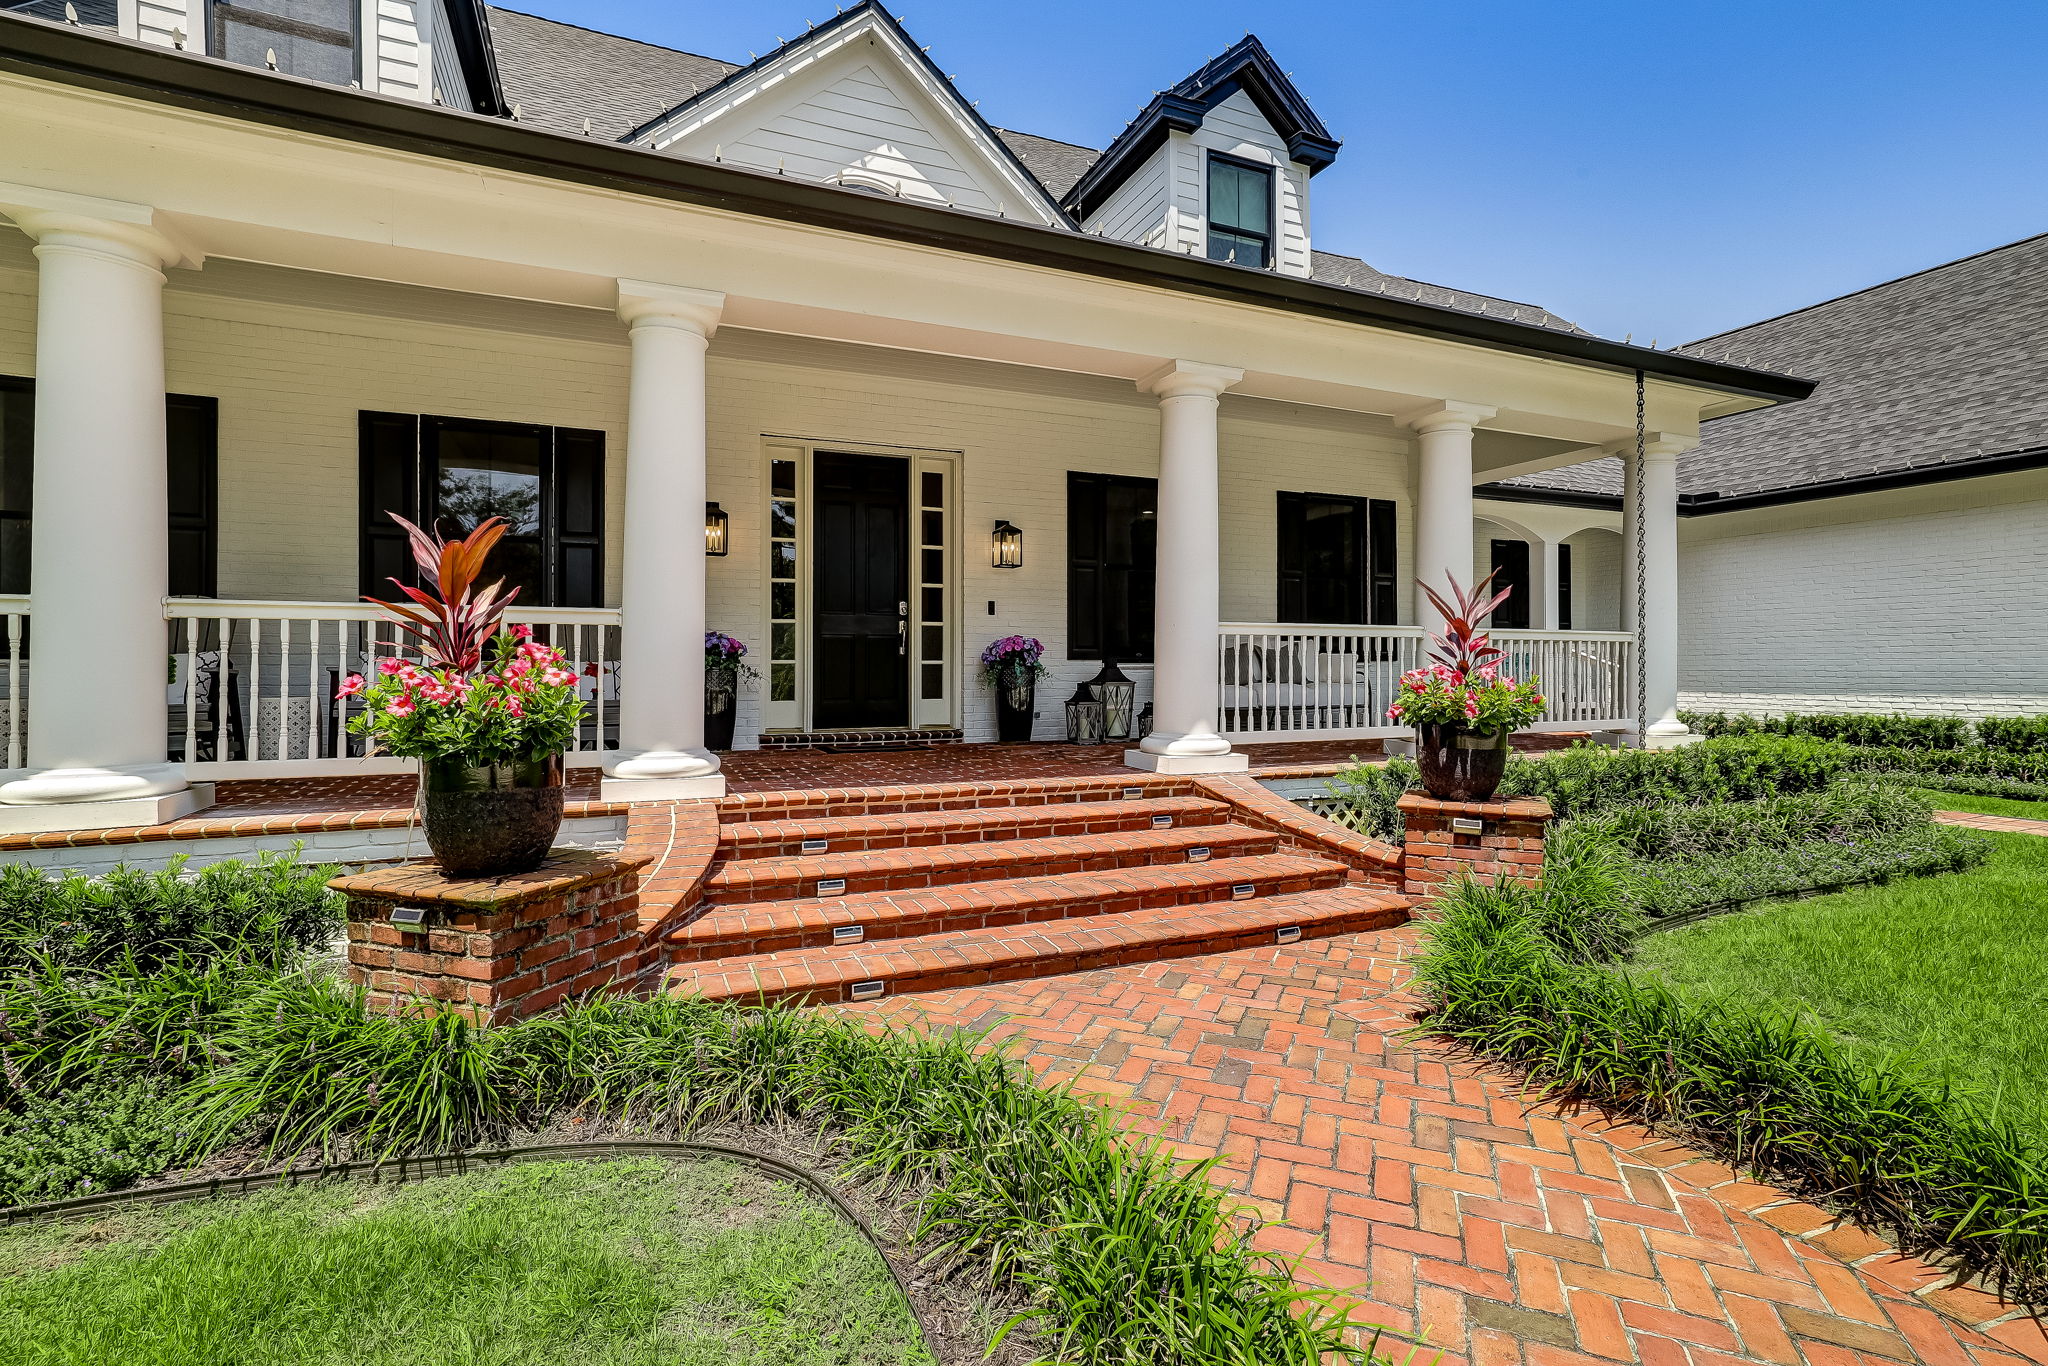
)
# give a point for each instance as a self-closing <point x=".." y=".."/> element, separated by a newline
<point x="1243" y="891"/>
<point x="867" y="991"/>
<point x="412" y="917"/>
<point x="1468" y="825"/>
<point x="848" y="934"/>
<point x="1287" y="934"/>
<point x="814" y="846"/>
<point x="831" y="886"/>
<point x="1161" y="822"/>
<point x="1199" y="854"/>
<point x="1133" y="793"/>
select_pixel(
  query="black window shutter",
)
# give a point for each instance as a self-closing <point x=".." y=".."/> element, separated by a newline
<point x="192" y="446"/>
<point x="1292" y="571"/>
<point x="1511" y="570"/>
<point x="1086" y="516"/>
<point x="1564" y="587"/>
<point x="17" y="479"/>
<point x="579" y="518"/>
<point x="390" y="482"/>
<point x="1384" y="594"/>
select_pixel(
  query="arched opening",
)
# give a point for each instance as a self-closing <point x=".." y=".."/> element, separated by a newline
<point x="1589" y="581"/>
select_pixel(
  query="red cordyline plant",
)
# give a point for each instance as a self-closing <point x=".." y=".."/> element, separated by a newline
<point x="1465" y="686"/>
<point x="486" y="694"/>
<point x="453" y="628"/>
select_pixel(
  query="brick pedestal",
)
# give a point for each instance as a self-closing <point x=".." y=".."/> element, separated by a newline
<point x="1495" y="839"/>
<point x="494" y="949"/>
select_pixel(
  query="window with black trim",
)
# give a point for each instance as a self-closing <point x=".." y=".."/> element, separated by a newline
<point x="1336" y="562"/>
<point x="546" y="482"/>
<point x="1511" y="571"/>
<point x="311" y="38"/>
<point x="191" y="462"/>
<point x="1240" y="211"/>
<point x="1112" y="566"/>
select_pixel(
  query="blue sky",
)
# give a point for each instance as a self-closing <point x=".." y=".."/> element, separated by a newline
<point x="1669" y="168"/>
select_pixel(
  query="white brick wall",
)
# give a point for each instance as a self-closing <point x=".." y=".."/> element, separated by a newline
<point x="1916" y="600"/>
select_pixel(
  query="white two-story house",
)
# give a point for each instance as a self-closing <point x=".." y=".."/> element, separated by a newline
<point x="804" y="350"/>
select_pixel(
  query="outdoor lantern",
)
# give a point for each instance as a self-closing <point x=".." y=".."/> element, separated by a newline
<point x="714" y="529"/>
<point x="1145" y="721"/>
<point x="1118" y="696"/>
<point x="1006" y="547"/>
<point x="1084" y="717"/>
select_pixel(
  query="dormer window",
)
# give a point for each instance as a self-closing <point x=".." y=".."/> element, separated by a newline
<point x="310" y="38"/>
<point x="1240" y="211"/>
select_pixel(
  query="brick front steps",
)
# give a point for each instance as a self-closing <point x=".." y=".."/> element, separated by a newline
<point x="922" y="888"/>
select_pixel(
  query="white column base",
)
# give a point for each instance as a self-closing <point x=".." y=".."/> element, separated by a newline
<point x="662" y="763"/>
<point x="1186" y="763"/>
<point x="707" y="787"/>
<point x="119" y="783"/>
<point x="1662" y="736"/>
<point x="112" y="815"/>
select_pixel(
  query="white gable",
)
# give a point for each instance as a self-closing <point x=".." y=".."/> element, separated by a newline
<point x="1236" y="128"/>
<point x="855" y="107"/>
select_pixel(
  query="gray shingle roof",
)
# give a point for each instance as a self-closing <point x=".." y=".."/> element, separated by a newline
<point x="1941" y="366"/>
<point x="559" y="75"/>
<point x="102" y="14"/>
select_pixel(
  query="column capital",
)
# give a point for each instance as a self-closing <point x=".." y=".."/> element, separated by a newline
<point x="1179" y="378"/>
<point x="1656" y="445"/>
<point x="111" y="227"/>
<point x="643" y="303"/>
<point x="1445" y="415"/>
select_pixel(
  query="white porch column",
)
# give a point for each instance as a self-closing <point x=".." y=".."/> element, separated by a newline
<point x="1190" y="576"/>
<point x="1543" y="574"/>
<point x="1658" y="503"/>
<point x="98" y="571"/>
<point x="661" y="754"/>
<point x="1443" y="498"/>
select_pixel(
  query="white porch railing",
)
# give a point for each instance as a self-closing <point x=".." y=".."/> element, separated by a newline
<point x="14" y="678"/>
<point x="252" y="684"/>
<point x="1313" y="682"/>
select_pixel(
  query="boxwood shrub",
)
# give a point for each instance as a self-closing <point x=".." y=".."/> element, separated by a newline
<point x="1851" y="728"/>
<point x="2022" y="734"/>
<point x="1509" y="971"/>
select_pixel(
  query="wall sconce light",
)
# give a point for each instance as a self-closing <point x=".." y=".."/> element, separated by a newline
<point x="714" y="529"/>
<point x="1006" y="547"/>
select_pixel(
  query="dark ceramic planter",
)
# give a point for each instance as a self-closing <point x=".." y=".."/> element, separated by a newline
<point x="1015" y="702"/>
<point x="492" y="819"/>
<point x="1459" y="765"/>
<point x="721" y="708"/>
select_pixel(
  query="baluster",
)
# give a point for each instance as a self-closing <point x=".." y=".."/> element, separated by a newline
<point x="17" y="704"/>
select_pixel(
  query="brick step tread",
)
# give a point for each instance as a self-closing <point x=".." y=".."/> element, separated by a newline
<point x="773" y="926"/>
<point x="804" y="804"/>
<point x="1010" y="952"/>
<point x="928" y="865"/>
<point x="904" y="829"/>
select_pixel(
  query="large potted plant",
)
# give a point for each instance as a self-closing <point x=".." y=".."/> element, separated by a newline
<point x="486" y="710"/>
<point x="1013" y="666"/>
<point x="724" y="666"/>
<point x="1463" y="708"/>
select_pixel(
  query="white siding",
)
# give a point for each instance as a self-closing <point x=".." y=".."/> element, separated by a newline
<point x="160" y="21"/>
<point x="1237" y="128"/>
<point x="398" y="47"/>
<point x="1138" y="210"/>
<point x="1918" y="600"/>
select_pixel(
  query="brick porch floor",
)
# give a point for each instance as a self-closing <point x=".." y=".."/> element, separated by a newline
<point x="1503" y="1232"/>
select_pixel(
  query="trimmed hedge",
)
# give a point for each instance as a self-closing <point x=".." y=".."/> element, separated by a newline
<point x="1507" y="972"/>
<point x="2021" y="734"/>
<point x="272" y="909"/>
<point x="1850" y="728"/>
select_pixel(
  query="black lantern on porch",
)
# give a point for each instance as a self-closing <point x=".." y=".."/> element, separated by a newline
<point x="1084" y="717"/>
<point x="1145" y="721"/>
<point x="1119" y="696"/>
<point x="1006" y="546"/>
<point x="714" y="529"/>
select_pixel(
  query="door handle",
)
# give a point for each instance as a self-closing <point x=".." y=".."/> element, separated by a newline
<point x="902" y="637"/>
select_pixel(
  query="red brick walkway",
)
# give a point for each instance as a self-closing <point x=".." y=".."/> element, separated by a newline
<point x="1499" y="1231"/>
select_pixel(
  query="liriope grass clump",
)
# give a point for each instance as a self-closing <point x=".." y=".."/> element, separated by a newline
<point x="1116" y="1251"/>
<point x="1511" y="972"/>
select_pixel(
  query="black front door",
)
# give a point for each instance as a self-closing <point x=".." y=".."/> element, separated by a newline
<point x="860" y="591"/>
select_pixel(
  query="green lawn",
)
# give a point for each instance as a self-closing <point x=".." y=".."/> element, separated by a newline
<point x="1986" y="806"/>
<point x="623" y="1263"/>
<point x="1944" y="971"/>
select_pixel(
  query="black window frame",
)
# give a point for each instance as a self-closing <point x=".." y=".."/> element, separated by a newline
<point x="1098" y="627"/>
<point x="220" y="12"/>
<point x="1564" y="585"/>
<point x="1375" y="550"/>
<point x="191" y="466"/>
<point x="398" y="464"/>
<point x="1267" y="238"/>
